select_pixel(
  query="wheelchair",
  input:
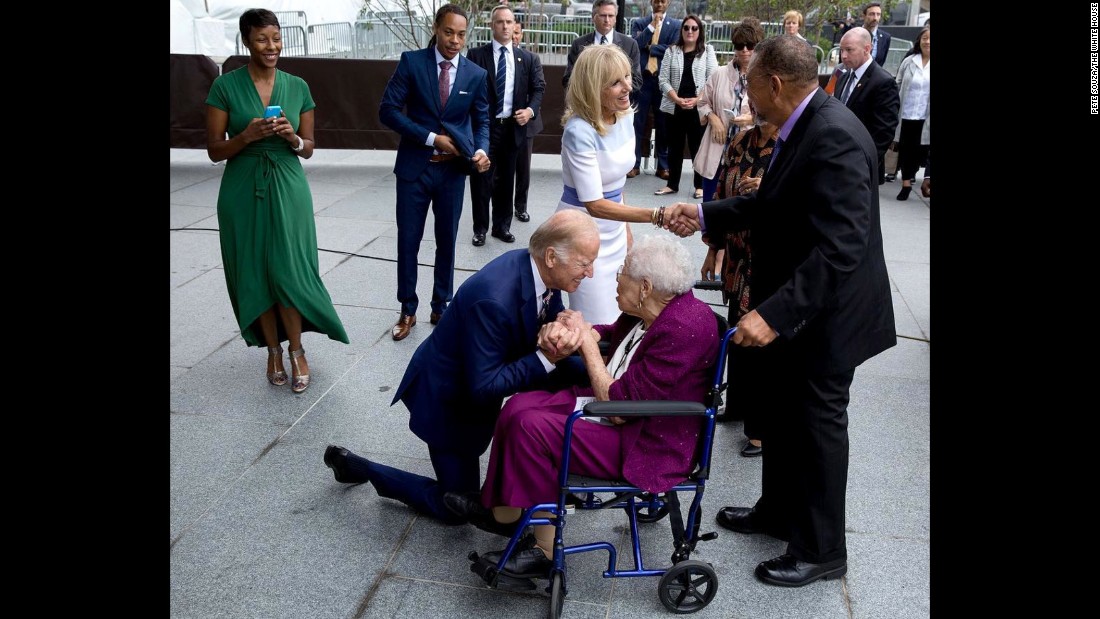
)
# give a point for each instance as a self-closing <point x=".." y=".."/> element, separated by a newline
<point x="687" y="585"/>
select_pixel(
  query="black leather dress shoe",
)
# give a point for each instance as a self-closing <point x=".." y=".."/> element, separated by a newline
<point x="434" y="318"/>
<point x="523" y="216"/>
<point x="335" y="458"/>
<point x="904" y="193"/>
<point x="479" y="240"/>
<point x="787" y="571"/>
<point x="752" y="451"/>
<point x="739" y="519"/>
<point x="507" y="237"/>
<point x="467" y="505"/>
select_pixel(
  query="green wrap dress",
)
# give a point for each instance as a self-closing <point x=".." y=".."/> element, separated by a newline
<point x="265" y="215"/>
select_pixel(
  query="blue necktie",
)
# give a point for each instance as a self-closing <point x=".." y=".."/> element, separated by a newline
<point x="874" y="44"/>
<point x="502" y="76"/>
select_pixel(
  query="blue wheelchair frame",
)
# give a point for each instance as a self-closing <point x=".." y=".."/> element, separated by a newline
<point x="685" y="576"/>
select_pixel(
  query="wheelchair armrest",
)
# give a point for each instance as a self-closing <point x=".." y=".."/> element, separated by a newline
<point x="644" y="408"/>
<point x="708" y="284"/>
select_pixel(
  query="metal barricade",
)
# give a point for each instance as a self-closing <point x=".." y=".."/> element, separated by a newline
<point x="898" y="49"/>
<point x="291" y="18"/>
<point x="333" y="40"/>
<point x="386" y="37"/>
<point x="552" y="46"/>
<point x="294" y="42"/>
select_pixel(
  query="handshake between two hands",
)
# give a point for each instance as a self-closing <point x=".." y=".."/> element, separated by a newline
<point x="682" y="219"/>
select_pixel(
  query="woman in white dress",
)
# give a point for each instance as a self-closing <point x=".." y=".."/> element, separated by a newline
<point x="597" y="150"/>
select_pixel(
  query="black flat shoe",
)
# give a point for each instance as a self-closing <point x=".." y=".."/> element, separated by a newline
<point x="523" y="216"/>
<point x="507" y="237"/>
<point x="787" y="571"/>
<point x="752" y="451"/>
<point x="336" y="459"/>
<point x="527" y="563"/>
<point x="479" y="240"/>
<point x="904" y="193"/>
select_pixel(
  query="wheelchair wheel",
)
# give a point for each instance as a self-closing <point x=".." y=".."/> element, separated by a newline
<point x="688" y="586"/>
<point x="557" y="594"/>
<point x="649" y="512"/>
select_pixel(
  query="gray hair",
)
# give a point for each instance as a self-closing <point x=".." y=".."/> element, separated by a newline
<point x="788" y="57"/>
<point x="598" y="3"/>
<point x="562" y="231"/>
<point x="666" y="263"/>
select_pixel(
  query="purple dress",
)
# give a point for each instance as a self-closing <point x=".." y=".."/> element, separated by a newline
<point x="674" y="361"/>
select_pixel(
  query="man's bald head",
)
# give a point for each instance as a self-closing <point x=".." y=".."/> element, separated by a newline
<point x="855" y="47"/>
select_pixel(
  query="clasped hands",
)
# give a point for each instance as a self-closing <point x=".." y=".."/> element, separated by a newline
<point x="562" y="337"/>
<point x="444" y="144"/>
<point x="682" y="219"/>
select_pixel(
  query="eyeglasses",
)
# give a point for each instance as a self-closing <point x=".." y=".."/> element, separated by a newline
<point x="690" y="28"/>
<point x="742" y="46"/>
<point x="619" y="271"/>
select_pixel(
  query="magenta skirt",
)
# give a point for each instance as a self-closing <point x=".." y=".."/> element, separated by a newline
<point x="525" y="458"/>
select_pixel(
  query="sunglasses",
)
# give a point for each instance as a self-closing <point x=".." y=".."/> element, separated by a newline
<point x="690" y="28"/>
<point x="741" y="46"/>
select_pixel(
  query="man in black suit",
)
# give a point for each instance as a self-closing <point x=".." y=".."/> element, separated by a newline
<point x="523" y="158"/>
<point x="869" y="91"/>
<point x="515" y="83"/>
<point x="604" y="13"/>
<point x="821" y="304"/>
<point x="880" y="39"/>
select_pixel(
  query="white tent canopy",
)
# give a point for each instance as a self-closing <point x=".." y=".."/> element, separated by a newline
<point x="210" y="27"/>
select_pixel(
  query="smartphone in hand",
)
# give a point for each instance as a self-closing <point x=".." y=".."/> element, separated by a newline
<point x="273" y="110"/>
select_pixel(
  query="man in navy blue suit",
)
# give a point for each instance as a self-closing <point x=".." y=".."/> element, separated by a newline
<point x="444" y="132"/>
<point x="515" y="90"/>
<point x="653" y="34"/>
<point x="880" y="39"/>
<point x="485" y="348"/>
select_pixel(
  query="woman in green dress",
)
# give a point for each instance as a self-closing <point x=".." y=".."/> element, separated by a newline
<point x="265" y="209"/>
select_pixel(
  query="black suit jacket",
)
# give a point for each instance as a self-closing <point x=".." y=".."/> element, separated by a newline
<point x="818" y="272"/>
<point x="875" y="103"/>
<point x="527" y="90"/>
<point x="627" y="44"/>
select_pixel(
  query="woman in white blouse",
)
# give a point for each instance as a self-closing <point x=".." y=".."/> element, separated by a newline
<point x="597" y="150"/>
<point x="913" y="136"/>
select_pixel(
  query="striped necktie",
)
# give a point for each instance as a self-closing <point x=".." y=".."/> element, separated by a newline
<point x="502" y="77"/>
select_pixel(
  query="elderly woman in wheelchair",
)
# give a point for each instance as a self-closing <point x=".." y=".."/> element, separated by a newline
<point x="665" y="346"/>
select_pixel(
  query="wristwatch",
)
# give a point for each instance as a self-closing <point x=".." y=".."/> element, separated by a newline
<point x="301" y="145"/>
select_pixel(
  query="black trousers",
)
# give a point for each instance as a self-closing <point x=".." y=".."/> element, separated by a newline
<point x="523" y="174"/>
<point x="911" y="154"/>
<point x="679" y="125"/>
<point x="805" y="468"/>
<point x="498" y="182"/>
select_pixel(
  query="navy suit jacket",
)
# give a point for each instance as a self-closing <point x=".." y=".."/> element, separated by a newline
<point x="482" y="350"/>
<point x="527" y="86"/>
<point x="875" y="103"/>
<point x="670" y="33"/>
<point x="625" y="43"/>
<point x="883" y="46"/>
<point x="818" y="271"/>
<point x="414" y="86"/>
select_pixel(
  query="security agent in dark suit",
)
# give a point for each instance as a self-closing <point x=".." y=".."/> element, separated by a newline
<point x="515" y="95"/>
<point x="604" y="13"/>
<point x="823" y="304"/>
<point x="485" y="348"/>
<point x="880" y="39"/>
<point x="869" y="91"/>
<point x="443" y="120"/>
<point x="649" y="95"/>
<point x="523" y="158"/>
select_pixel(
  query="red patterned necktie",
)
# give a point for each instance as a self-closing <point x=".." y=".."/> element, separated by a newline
<point x="444" y="82"/>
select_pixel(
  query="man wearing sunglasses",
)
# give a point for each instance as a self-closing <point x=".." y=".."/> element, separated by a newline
<point x="653" y="34"/>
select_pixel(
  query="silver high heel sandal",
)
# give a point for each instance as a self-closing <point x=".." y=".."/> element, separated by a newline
<point x="278" y="377"/>
<point x="301" y="381"/>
